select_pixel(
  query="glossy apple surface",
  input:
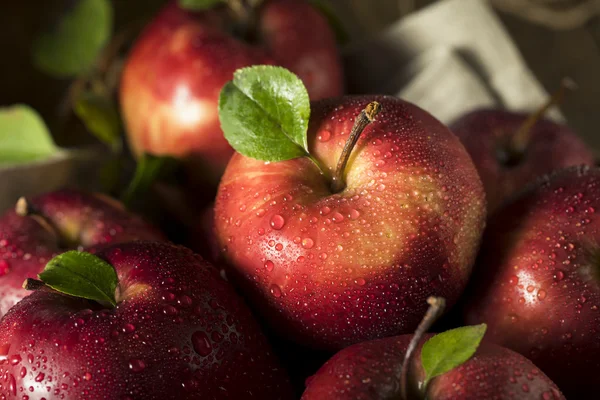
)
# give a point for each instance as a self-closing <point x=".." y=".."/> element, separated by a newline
<point x="331" y="269"/>
<point x="371" y="371"/>
<point x="486" y="134"/>
<point x="178" y="331"/>
<point x="77" y="220"/>
<point x="172" y="79"/>
<point x="536" y="283"/>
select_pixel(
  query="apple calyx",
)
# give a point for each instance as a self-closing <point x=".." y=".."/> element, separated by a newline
<point x="365" y="117"/>
<point x="435" y="310"/>
<point x="79" y="274"/>
<point x="517" y="144"/>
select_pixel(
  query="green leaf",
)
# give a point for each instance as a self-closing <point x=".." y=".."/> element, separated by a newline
<point x="448" y="350"/>
<point x="148" y="169"/>
<point x="72" y="47"/>
<point x="24" y="137"/>
<point x="341" y="34"/>
<point x="81" y="274"/>
<point x="199" y="4"/>
<point x="264" y="113"/>
<point x="100" y="116"/>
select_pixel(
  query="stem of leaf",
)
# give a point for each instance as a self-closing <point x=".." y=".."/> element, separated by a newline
<point x="435" y="310"/>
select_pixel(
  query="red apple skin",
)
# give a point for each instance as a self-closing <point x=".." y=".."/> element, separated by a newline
<point x="171" y="82"/>
<point x="536" y="284"/>
<point x="90" y="220"/>
<point x="179" y="331"/>
<point x="329" y="270"/>
<point x="552" y="146"/>
<point x="371" y="371"/>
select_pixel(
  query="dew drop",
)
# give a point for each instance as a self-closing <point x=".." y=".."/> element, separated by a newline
<point x="201" y="343"/>
<point x="4" y="267"/>
<point x="360" y="282"/>
<point x="353" y="214"/>
<point x="541" y="294"/>
<point x="277" y="222"/>
<point x="337" y="217"/>
<point x="308" y="243"/>
<point x="275" y="290"/>
<point x="136" y="365"/>
<point x="325" y="210"/>
<point x="324" y="136"/>
<point x="559" y="275"/>
<point x="129" y="328"/>
<point x="269" y="265"/>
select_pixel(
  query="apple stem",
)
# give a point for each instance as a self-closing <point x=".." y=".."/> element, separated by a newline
<point x="244" y="12"/>
<point x="521" y="138"/>
<point x="365" y="117"/>
<point x="24" y="209"/>
<point x="33" y="284"/>
<point x="435" y="310"/>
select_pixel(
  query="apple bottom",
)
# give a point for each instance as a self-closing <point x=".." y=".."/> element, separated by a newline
<point x="333" y="317"/>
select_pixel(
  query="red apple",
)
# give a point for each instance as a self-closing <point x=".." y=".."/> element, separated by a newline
<point x="332" y="267"/>
<point x="58" y="221"/>
<point x="537" y="281"/>
<point x="511" y="149"/>
<point x="371" y="371"/>
<point x="177" y="331"/>
<point x="171" y="82"/>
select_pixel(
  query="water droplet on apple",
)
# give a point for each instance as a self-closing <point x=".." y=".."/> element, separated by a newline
<point x="279" y="247"/>
<point x="184" y="301"/>
<point x="129" y="328"/>
<point x="308" y="243"/>
<point x="201" y="343"/>
<point x="87" y="376"/>
<point x="136" y="365"/>
<point x="269" y="265"/>
<point x="12" y="385"/>
<point x="275" y="290"/>
<point x="40" y="377"/>
<point x="541" y="294"/>
<point x="23" y="372"/>
<point x="4" y="267"/>
<point x="169" y="310"/>
<point x="324" y="136"/>
<point x="260" y="212"/>
<point x="14" y="359"/>
<point x="353" y="214"/>
<point x="277" y="222"/>
<point x="559" y="275"/>
<point x="381" y="187"/>
<point x="337" y="217"/>
<point x="323" y="256"/>
<point x="525" y="388"/>
<point x="325" y="210"/>
<point x="360" y="282"/>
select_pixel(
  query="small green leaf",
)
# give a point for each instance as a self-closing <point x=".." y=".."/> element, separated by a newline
<point x="148" y="169"/>
<point x="450" y="349"/>
<point x="264" y="113"/>
<point x="199" y="4"/>
<point x="81" y="274"/>
<point x="334" y="21"/>
<point x="71" y="48"/>
<point x="24" y="137"/>
<point x="100" y="116"/>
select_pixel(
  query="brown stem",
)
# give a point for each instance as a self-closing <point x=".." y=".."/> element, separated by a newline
<point x="245" y="15"/>
<point x="520" y="140"/>
<point x="365" y="117"/>
<point x="435" y="310"/>
<point x="25" y="209"/>
<point x="33" y="284"/>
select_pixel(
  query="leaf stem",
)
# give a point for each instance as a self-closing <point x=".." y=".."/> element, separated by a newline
<point x="520" y="140"/>
<point x="435" y="310"/>
<point x="33" y="284"/>
<point x="365" y="117"/>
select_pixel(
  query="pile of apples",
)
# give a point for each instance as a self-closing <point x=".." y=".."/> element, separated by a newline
<point x="342" y="224"/>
